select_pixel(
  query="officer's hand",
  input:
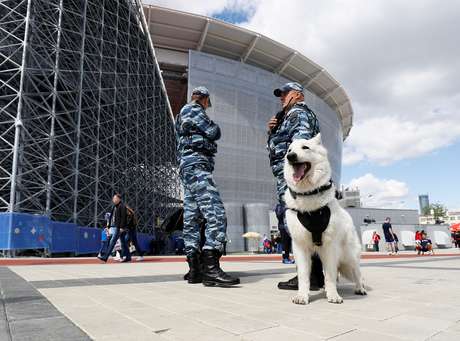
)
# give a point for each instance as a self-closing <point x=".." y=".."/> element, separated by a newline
<point x="272" y="123"/>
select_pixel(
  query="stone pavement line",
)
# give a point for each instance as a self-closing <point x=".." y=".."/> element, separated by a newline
<point x="172" y="278"/>
<point x="28" y="315"/>
<point x="141" y="279"/>
<point x="229" y="258"/>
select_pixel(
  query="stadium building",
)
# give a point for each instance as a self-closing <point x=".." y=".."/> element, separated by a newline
<point x="241" y="68"/>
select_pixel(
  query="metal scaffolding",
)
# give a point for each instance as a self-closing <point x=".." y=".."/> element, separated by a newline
<point x="83" y="112"/>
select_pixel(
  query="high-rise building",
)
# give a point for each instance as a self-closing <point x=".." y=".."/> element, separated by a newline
<point x="424" y="203"/>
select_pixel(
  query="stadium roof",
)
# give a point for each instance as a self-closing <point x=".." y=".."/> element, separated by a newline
<point x="176" y="30"/>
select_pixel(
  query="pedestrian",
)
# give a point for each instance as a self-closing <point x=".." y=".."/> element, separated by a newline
<point x="457" y="238"/>
<point x="295" y="121"/>
<point x="118" y="225"/>
<point x="104" y="241"/>
<point x="286" y="241"/>
<point x="196" y="136"/>
<point x="131" y="236"/>
<point x="267" y="245"/>
<point x="425" y="244"/>
<point x="376" y="240"/>
<point x="396" y="241"/>
<point x="388" y="234"/>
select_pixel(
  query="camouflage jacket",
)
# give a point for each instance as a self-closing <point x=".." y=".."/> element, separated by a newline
<point x="196" y="134"/>
<point x="299" y="123"/>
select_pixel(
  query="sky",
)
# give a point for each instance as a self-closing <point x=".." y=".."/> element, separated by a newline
<point x="399" y="62"/>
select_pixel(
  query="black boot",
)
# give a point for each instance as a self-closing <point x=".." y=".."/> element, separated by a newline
<point x="292" y="284"/>
<point x="316" y="277"/>
<point x="194" y="275"/>
<point x="212" y="273"/>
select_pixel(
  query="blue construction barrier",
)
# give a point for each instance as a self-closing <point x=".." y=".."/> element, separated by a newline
<point x="144" y="241"/>
<point x="88" y="240"/>
<point x="20" y="231"/>
<point x="64" y="237"/>
<point x="24" y="231"/>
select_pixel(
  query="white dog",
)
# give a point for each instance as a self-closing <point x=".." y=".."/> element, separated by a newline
<point x="317" y="223"/>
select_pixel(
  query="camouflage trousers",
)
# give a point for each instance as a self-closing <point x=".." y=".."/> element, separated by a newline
<point x="202" y="201"/>
<point x="281" y="186"/>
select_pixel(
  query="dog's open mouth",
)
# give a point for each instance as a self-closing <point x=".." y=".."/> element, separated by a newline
<point x="300" y="170"/>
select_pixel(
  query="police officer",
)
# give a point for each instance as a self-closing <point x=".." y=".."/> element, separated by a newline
<point x="295" y="121"/>
<point x="196" y="137"/>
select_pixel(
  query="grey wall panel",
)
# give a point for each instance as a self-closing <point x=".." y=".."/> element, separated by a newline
<point x="235" y="227"/>
<point x="243" y="101"/>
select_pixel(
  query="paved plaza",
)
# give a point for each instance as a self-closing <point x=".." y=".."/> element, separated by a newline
<point x="410" y="298"/>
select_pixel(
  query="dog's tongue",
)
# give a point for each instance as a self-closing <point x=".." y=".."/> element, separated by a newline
<point x="299" y="171"/>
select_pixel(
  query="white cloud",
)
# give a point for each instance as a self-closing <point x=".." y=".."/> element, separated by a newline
<point x="396" y="60"/>
<point x="388" y="138"/>
<point x="382" y="193"/>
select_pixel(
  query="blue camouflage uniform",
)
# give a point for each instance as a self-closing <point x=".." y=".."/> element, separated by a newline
<point x="196" y="137"/>
<point x="300" y="122"/>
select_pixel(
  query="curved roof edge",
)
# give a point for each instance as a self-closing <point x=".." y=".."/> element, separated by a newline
<point x="181" y="31"/>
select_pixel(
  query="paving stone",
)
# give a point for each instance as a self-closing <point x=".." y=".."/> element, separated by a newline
<point x="196" y="331"/>
<point x="27" y="309"/>
<point x="279" y="333"/>
<point x="49" y="329"/>
<point x="359" y="335"/>
<point x="445" y="336"/>
<point x="240" y="324"/>
<point x="320" y="328"/>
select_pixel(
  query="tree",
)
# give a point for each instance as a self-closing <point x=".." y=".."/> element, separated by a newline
<point x="438" y="211"/>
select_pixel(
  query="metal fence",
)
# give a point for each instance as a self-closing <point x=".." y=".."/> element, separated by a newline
<point x="83" y="112"/>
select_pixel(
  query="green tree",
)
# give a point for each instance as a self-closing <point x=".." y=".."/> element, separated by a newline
<point x="439" y="211"/>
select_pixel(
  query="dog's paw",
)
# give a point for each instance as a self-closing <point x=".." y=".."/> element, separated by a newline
<point x="360" y="291"/>
<point x="336" y="299"/>
<point x="300" y="299"/>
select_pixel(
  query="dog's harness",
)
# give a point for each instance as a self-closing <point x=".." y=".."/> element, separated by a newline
<point x="315" y="222"/>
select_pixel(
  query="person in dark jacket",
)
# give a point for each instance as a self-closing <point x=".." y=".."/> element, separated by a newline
<point x="286" y="240"/>
<point x="118" y="220"/>
<point x="389" y="236"/>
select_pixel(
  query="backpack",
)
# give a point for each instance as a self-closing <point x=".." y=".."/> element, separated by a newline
<point x="131" y="218"/>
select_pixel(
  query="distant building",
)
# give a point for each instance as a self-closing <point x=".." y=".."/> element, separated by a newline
<point x="426" y="220"/>
<point x="351" y="197"/>
<point x="424" y="203"/>
<point x="366" y="215"/>
<point x="453" y="217"/>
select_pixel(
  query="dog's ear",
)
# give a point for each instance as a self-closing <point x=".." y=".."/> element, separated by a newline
<point x="316" y="139"/>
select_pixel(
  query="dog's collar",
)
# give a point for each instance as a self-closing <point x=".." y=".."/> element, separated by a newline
<point x="313" y="192"/>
